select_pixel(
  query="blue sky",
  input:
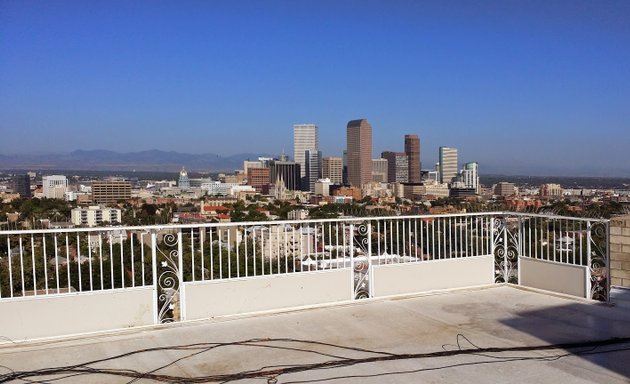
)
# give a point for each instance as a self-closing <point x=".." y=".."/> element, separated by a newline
<point x="536" y="87"/>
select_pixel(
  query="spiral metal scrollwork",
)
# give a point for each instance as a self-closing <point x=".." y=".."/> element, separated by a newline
<point x="361" y="267"/>
<point x="598" y="262"/>
<point x="505" y="254"/>
<point x="169" y="281"/>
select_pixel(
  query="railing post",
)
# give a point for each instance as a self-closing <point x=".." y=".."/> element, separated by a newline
<point x="492" y="247"/>
<point x="506" y="277"/>
<point x="588" y="260"/>
<point x="369" y="259"/>
<point x="156" y="319"/>
<point x="608" y="278"/>
<point x="521" y="248"/>
<point x="180" y="263"/>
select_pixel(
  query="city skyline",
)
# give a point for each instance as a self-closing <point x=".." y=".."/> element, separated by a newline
<point x="520" y="88"/>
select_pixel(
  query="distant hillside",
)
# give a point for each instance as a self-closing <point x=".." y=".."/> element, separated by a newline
<point x="152" y="160"/>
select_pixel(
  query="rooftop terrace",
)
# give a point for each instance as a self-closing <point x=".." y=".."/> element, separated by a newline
<point x="478" y="297"/>
<point x="496" y="334"/>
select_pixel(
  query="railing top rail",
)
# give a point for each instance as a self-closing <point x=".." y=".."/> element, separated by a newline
<point x="546" y="216"/>
<point x="159" y="227"/>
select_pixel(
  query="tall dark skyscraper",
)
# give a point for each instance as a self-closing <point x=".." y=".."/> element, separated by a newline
<point x="288" y="171"/>
<point x="22" y="185"/>
<point x="359" y="152"/>
<point x="412" y="149"/>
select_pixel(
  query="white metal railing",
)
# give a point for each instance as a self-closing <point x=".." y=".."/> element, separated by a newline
<point x="66" y="261"/>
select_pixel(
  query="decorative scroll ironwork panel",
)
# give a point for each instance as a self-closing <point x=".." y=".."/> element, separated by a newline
<point x="361" y="258"/>
<point x="168" y="277"/>
<point x="598" y="266"/>
<point x="506" y="241"/>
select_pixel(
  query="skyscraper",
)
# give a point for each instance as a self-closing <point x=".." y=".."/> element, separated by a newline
<point x="397" y="166"/>
<point x="470" y="176"/>
<point x="359" y="149"/>
<point x="288" y="171"/>
<point x="313" y="169"/>
<point x="22" y="185"/>
<point x="412" y="149"/>
<point x="448" y="164"/>
<point x="332" y="168"/>
<point x="305" y="138"/>
<point x="379" y="170"/>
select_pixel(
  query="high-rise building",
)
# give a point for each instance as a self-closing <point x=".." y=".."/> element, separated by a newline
<point x="55" y="186"/>
<point x="183" y="182"/>
<point x="22" y="185"/>
<point x="332" y="168"/>
<point x="397" y="166"/>
<point x="412" y="149"/>
<point x="470" y="176"/>
<point x="110" y="191"/>
<point x="288" y="171"/>
<point x="448" y="164"/>
<point x="313" y="169"/>
<point x="259" y="179"/>
<point x="247" y="164"/>
<point x="305" y="138"/>
<point x="379" y="170"/>
<point x="504" y="188"/>
<point x="359" y="147"/>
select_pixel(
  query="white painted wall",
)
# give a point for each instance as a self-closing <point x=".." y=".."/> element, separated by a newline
<point x="555" y="277"/>
<point x="235" y="296"/>
<point x="49" y="316"/>
<point x="397" y="279"/>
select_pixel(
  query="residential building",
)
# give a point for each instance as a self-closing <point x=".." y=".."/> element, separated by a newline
<point x="359" y="147"/>
<point x="55" y="186"/>
<point x="448" y="165"/>
<point x="95" y="215"/>
<point x="110" y="191"/>
<point x="379" y="170"/>
<point x="397" y="166"/>
<point x="412" y="149"/>
<point x="332" y="168"/>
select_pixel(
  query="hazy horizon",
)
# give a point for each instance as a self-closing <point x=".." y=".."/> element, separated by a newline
<point x="536" y="87"/>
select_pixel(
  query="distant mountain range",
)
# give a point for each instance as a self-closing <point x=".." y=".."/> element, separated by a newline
<point x="152" y="160"/>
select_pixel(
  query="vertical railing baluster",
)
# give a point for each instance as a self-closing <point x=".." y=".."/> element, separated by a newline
<point x="33" y="265"/>
<point x="192" y="254"/>
<point x="122" y="262"/>
<point x="45" y="262"/>
<point x="111" y="262"/>
<point x="79" y="263"/>
<point x="10" y="268"/>
<point x="22" y="274"/>
<point x="56" y="261"/>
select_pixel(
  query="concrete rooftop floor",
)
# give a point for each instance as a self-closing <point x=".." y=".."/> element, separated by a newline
<point x="501" y="316"/>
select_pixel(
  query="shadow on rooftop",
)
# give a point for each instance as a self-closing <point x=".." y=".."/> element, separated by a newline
<point x="582" y="322"/>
